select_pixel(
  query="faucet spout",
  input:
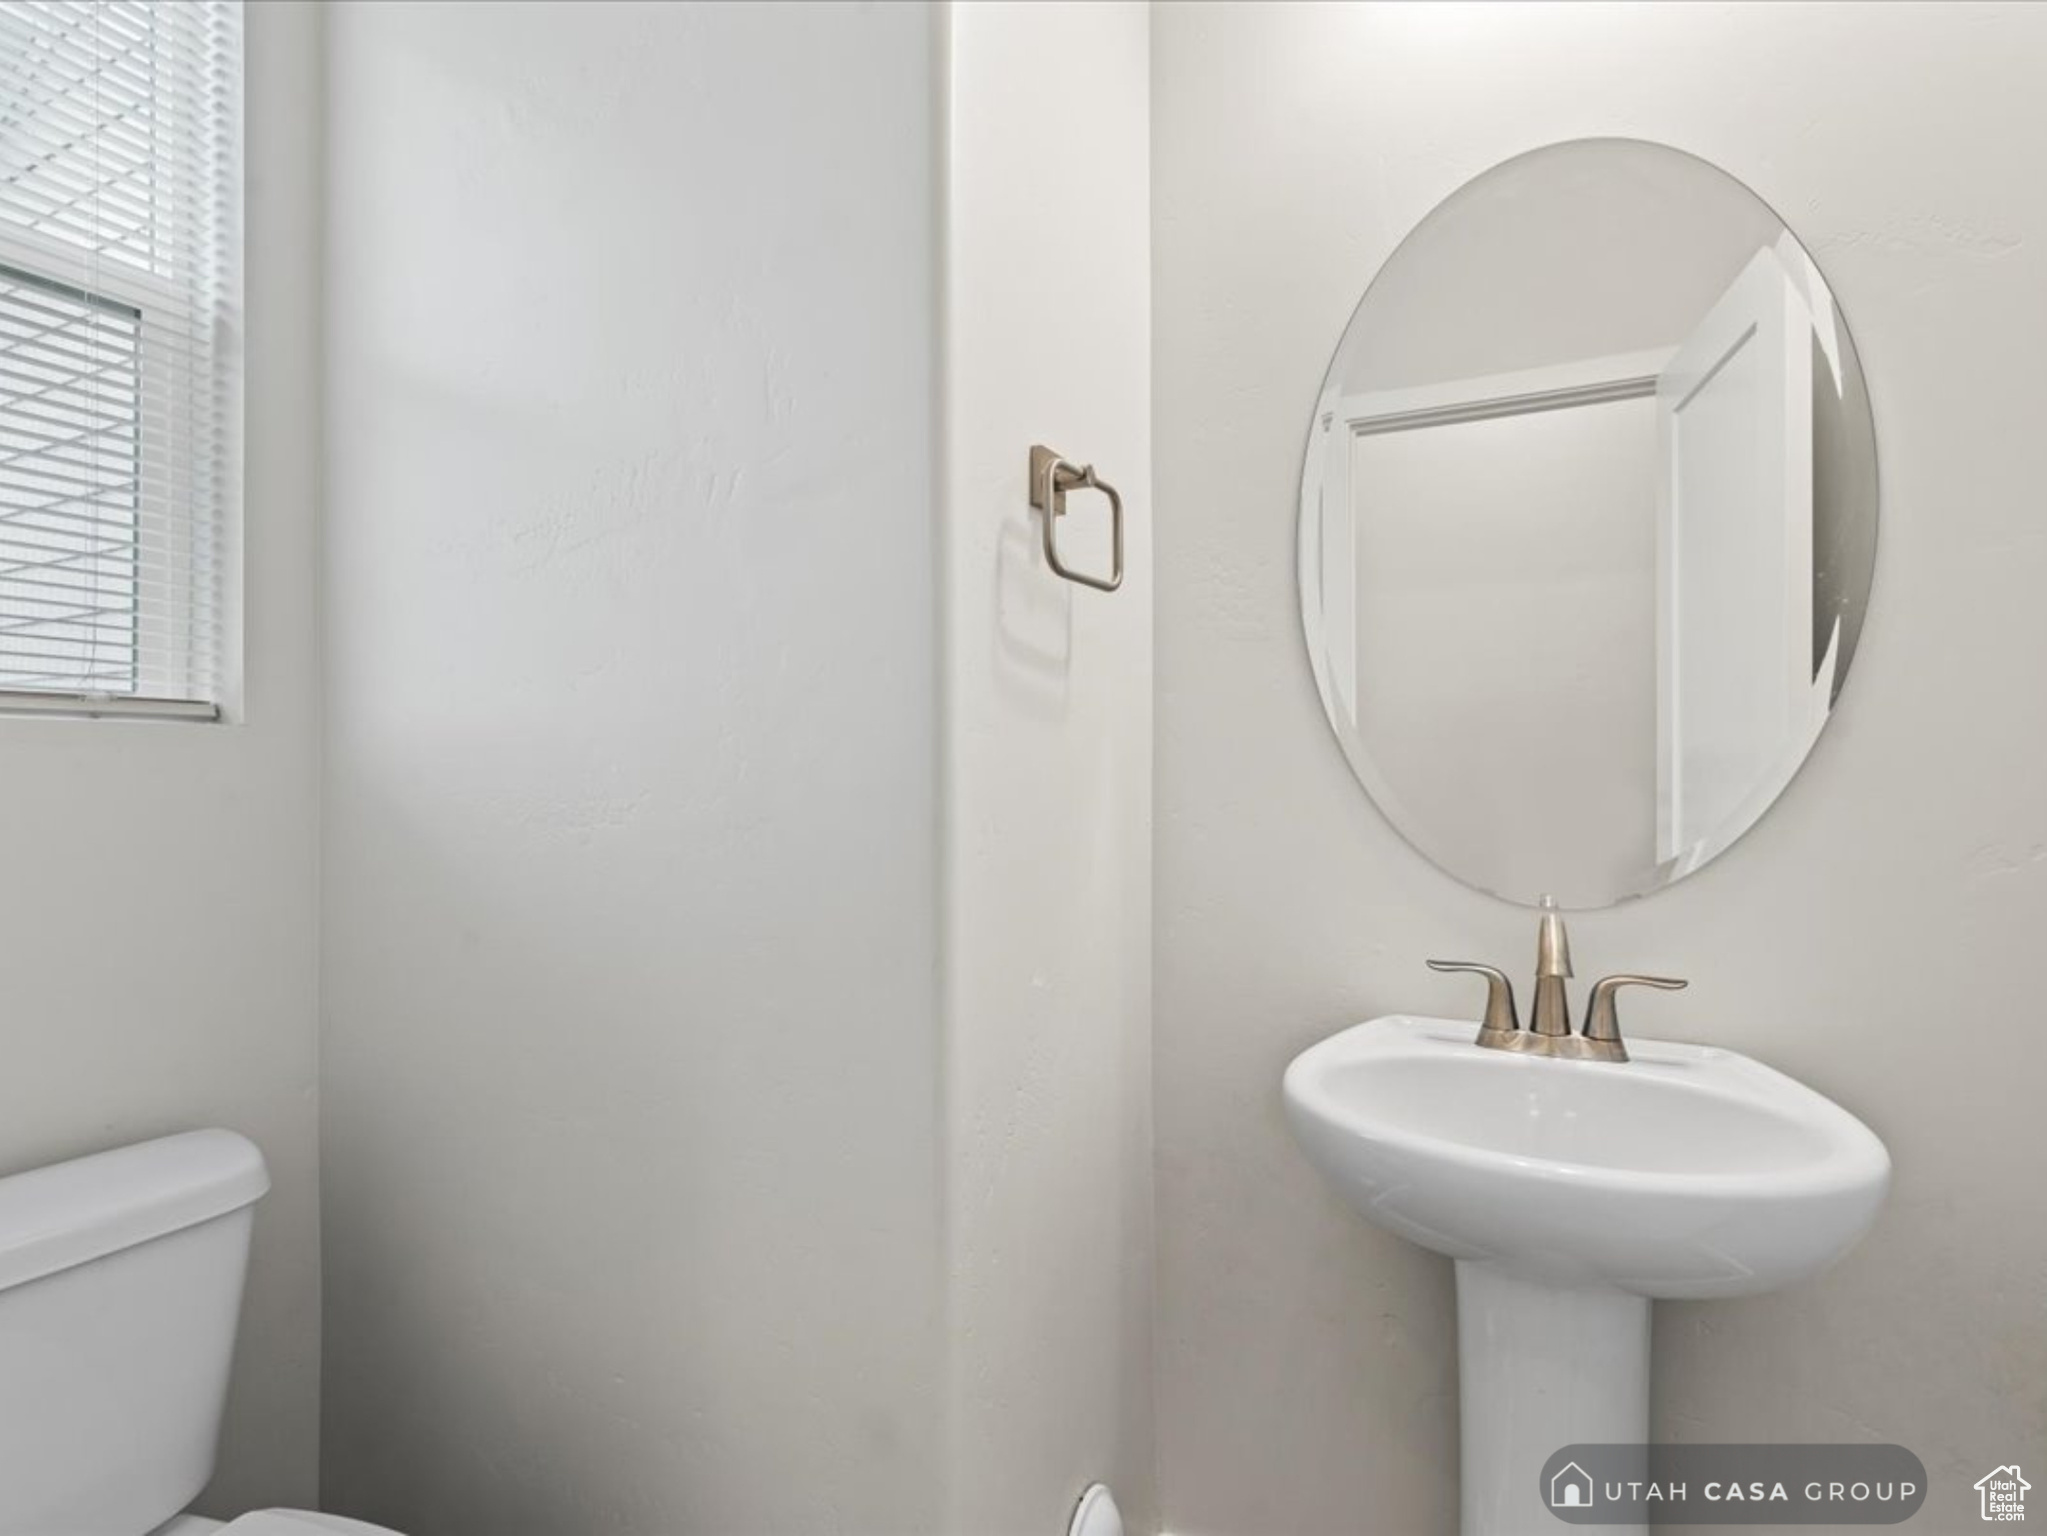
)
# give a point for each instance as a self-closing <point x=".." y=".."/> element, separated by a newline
<point x="1552" y="942"/>
<point x="1552" y="1014"/>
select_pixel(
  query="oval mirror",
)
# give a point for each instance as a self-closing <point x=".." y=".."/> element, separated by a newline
<point x="1588" y="518"/>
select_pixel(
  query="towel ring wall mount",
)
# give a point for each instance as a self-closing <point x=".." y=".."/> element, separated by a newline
<point x="1052" y="476"/>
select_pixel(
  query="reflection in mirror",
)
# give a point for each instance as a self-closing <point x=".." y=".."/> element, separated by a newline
<point x="1588" y="517"/>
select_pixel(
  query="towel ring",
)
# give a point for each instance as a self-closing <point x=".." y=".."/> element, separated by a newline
<point x="1051" y="478"/>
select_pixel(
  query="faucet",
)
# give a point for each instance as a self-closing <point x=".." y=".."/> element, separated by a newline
<point x="1549" y="1027"/>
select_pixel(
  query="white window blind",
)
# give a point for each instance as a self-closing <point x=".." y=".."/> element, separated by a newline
<point x="120" y="235"/>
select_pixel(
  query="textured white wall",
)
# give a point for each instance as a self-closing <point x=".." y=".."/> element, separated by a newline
<point x="1047" y="770"/>
<point x="632" y="1044"/>
<point x="1872" y="935"/>
<point x="160" y="895"/>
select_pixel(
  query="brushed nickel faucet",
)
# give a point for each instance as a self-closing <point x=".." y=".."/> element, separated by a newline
<point x="1549" y="1027"/>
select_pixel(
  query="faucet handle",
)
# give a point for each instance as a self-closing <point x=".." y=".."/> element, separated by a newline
<point x="1501" y="1018"/>
<point x="1602" y="1021"/>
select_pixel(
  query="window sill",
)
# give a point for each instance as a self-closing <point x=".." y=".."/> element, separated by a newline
<point x="105" y="706"/>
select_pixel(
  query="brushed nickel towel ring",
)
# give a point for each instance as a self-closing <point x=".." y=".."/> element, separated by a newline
<point x="1051" y="478"/>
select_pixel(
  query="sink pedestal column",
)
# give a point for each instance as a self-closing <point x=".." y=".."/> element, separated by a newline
<point x="1539" y="1369"/>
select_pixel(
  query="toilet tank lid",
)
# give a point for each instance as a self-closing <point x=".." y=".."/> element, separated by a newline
<point x="68" y="1214"/>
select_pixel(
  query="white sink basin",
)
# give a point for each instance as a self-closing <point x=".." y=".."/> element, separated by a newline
<point x="1571" y="1193"/>
<point x="1684" y="1172"/>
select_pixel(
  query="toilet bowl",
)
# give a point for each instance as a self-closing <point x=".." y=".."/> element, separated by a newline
<point x="120" y="1291"/>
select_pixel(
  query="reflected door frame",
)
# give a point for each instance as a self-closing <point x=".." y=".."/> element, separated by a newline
<point x="1754" y="348"/>
<point x="1560" y="386"/>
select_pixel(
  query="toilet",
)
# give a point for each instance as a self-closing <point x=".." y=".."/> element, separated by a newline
<point x="120" y="1290"/>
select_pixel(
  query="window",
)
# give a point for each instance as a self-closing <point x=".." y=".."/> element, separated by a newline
<point x="120" y="193"/>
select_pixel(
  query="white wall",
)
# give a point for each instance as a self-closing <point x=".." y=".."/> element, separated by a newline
<point x="691" y="1164"/>
<point x="1871" y="935"/>
<point x="160" y="901"/>
<point x="632" y="1041"/>
<point x="1047" y="770"/>
<point x="1506" y="641"/>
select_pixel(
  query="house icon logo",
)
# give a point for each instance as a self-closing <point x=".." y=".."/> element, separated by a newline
<point x="2004" y="1494"/>
<point x="1572" y="1488"/>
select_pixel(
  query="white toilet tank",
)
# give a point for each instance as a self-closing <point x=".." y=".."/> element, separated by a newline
<point x="120" y="1286"/>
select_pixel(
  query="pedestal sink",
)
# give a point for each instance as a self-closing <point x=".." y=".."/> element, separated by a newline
<point x="1571" y="1194"/>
